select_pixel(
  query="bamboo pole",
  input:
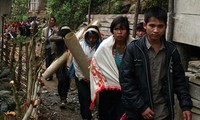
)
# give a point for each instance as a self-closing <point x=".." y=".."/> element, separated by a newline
<point x="70" y="45"/>
<point x="55" y="65"/>
<point x="80" y="33"/>
<point x="30" y="70"/>
<point x="77" y="52"/>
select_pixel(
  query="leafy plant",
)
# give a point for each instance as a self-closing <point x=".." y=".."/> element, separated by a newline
<point x="19" y="10"/>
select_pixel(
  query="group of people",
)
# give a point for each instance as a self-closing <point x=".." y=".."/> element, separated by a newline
<point x="130" y="79"/>
<point x="26" y="28"/>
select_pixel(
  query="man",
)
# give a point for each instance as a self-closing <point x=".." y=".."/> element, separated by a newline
<point x="47" y="32"/>
<point x="151" y="72"/>
<point x="62" y="72"/>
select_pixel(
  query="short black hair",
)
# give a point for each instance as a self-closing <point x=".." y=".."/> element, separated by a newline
<point x="53" y="18"/>
<point x="156" y="12"/>
<point x="140" y="27"/>
<point x="123" y="21"/>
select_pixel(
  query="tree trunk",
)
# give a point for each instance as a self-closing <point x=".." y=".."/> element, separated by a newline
<point x="137" y="9"/>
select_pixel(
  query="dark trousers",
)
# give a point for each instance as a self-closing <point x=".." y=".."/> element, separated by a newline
<point x="84" y="98"/>
<point x="48" y="58"/>
<point x="110" y="107"/>
<point x="63" y="82"/>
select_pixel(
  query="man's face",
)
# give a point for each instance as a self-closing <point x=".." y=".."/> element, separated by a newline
<point x="52" y="22"/>
<point x="120" y="33"/>
<point x="155" y="29"/>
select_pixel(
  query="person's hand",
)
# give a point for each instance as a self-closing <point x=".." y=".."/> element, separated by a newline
<point x="148" y="114"/>
<point x="187" y="115"/>
<point x="86" y="80"/>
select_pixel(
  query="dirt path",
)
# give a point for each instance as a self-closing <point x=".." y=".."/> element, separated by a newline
<point x="49" y="109"/>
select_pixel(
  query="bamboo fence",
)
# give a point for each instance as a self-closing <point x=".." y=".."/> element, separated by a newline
<point x="26" y="73"/>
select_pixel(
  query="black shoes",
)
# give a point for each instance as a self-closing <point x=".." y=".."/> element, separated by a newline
<point x="63" y="104"/>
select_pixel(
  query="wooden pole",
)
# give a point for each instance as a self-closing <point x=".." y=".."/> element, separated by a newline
<point x="19" y="67"/>
<point x="7" y="52"/>
<point x="12" y="58"/>
<point x="137" y="9"/>
<point x="2" y="43"/>
<point x="27" y="57"/>
<point x="89" y="10"/>
<point x="170" y="20"/>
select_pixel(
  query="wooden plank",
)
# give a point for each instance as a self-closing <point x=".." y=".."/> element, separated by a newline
<point x="187" y="6"/>
<point x="194" y="91"/>
<point x="195" y="81"/>
<point x="186" y="29"/>
<point x="194" y="64"/>
<point x="196" y="103"/>
<point x="196" y="110"/>
<point x="195" y="116"/>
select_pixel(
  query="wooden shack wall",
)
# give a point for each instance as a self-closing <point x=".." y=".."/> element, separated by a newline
<point x="187" y="17"/>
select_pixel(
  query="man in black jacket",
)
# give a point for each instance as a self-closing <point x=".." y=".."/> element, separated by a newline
<point x="151" y="72"/>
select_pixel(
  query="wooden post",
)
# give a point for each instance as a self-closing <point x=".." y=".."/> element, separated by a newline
<point x="12" y="59"/>
<point x="89" y="15"/>
<point x="27" y="57"/>
<point x="19" y="67"/>
<point x="137" y="9"/>
<point x="170" y="20"/>
<point x="6" y="52"/>
<point x="2" y="43"/>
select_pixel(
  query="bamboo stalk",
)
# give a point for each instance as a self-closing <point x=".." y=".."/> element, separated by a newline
<point x="77" y="52"/>
<point x="55" y="65"/>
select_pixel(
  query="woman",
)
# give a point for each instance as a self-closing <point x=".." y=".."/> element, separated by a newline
<point x="104" y="76"/>
<point x="89" y="45"/>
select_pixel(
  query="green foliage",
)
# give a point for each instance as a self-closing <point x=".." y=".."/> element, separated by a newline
<point x="19" y="10"/>
<point x="22" y="39"/>
<point x="118" y="6"/>
<point x="70" y="12"/>
<point x="160" y="3"/>
<point x="73" y="12"/>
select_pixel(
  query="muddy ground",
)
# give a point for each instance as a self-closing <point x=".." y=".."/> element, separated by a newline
<point x="50" y="110"/>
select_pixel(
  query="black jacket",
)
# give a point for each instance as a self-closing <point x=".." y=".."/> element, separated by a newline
<point x="135" y="80"/>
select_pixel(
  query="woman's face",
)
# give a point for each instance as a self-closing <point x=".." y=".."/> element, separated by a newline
<point x="120" y="33"/>
<point x="92" y="38"/>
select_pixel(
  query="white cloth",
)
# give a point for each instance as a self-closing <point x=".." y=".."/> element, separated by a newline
<point x="104" y="73"/>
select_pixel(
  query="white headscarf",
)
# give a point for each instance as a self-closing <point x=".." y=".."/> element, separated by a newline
<point x="104" y="73"/>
